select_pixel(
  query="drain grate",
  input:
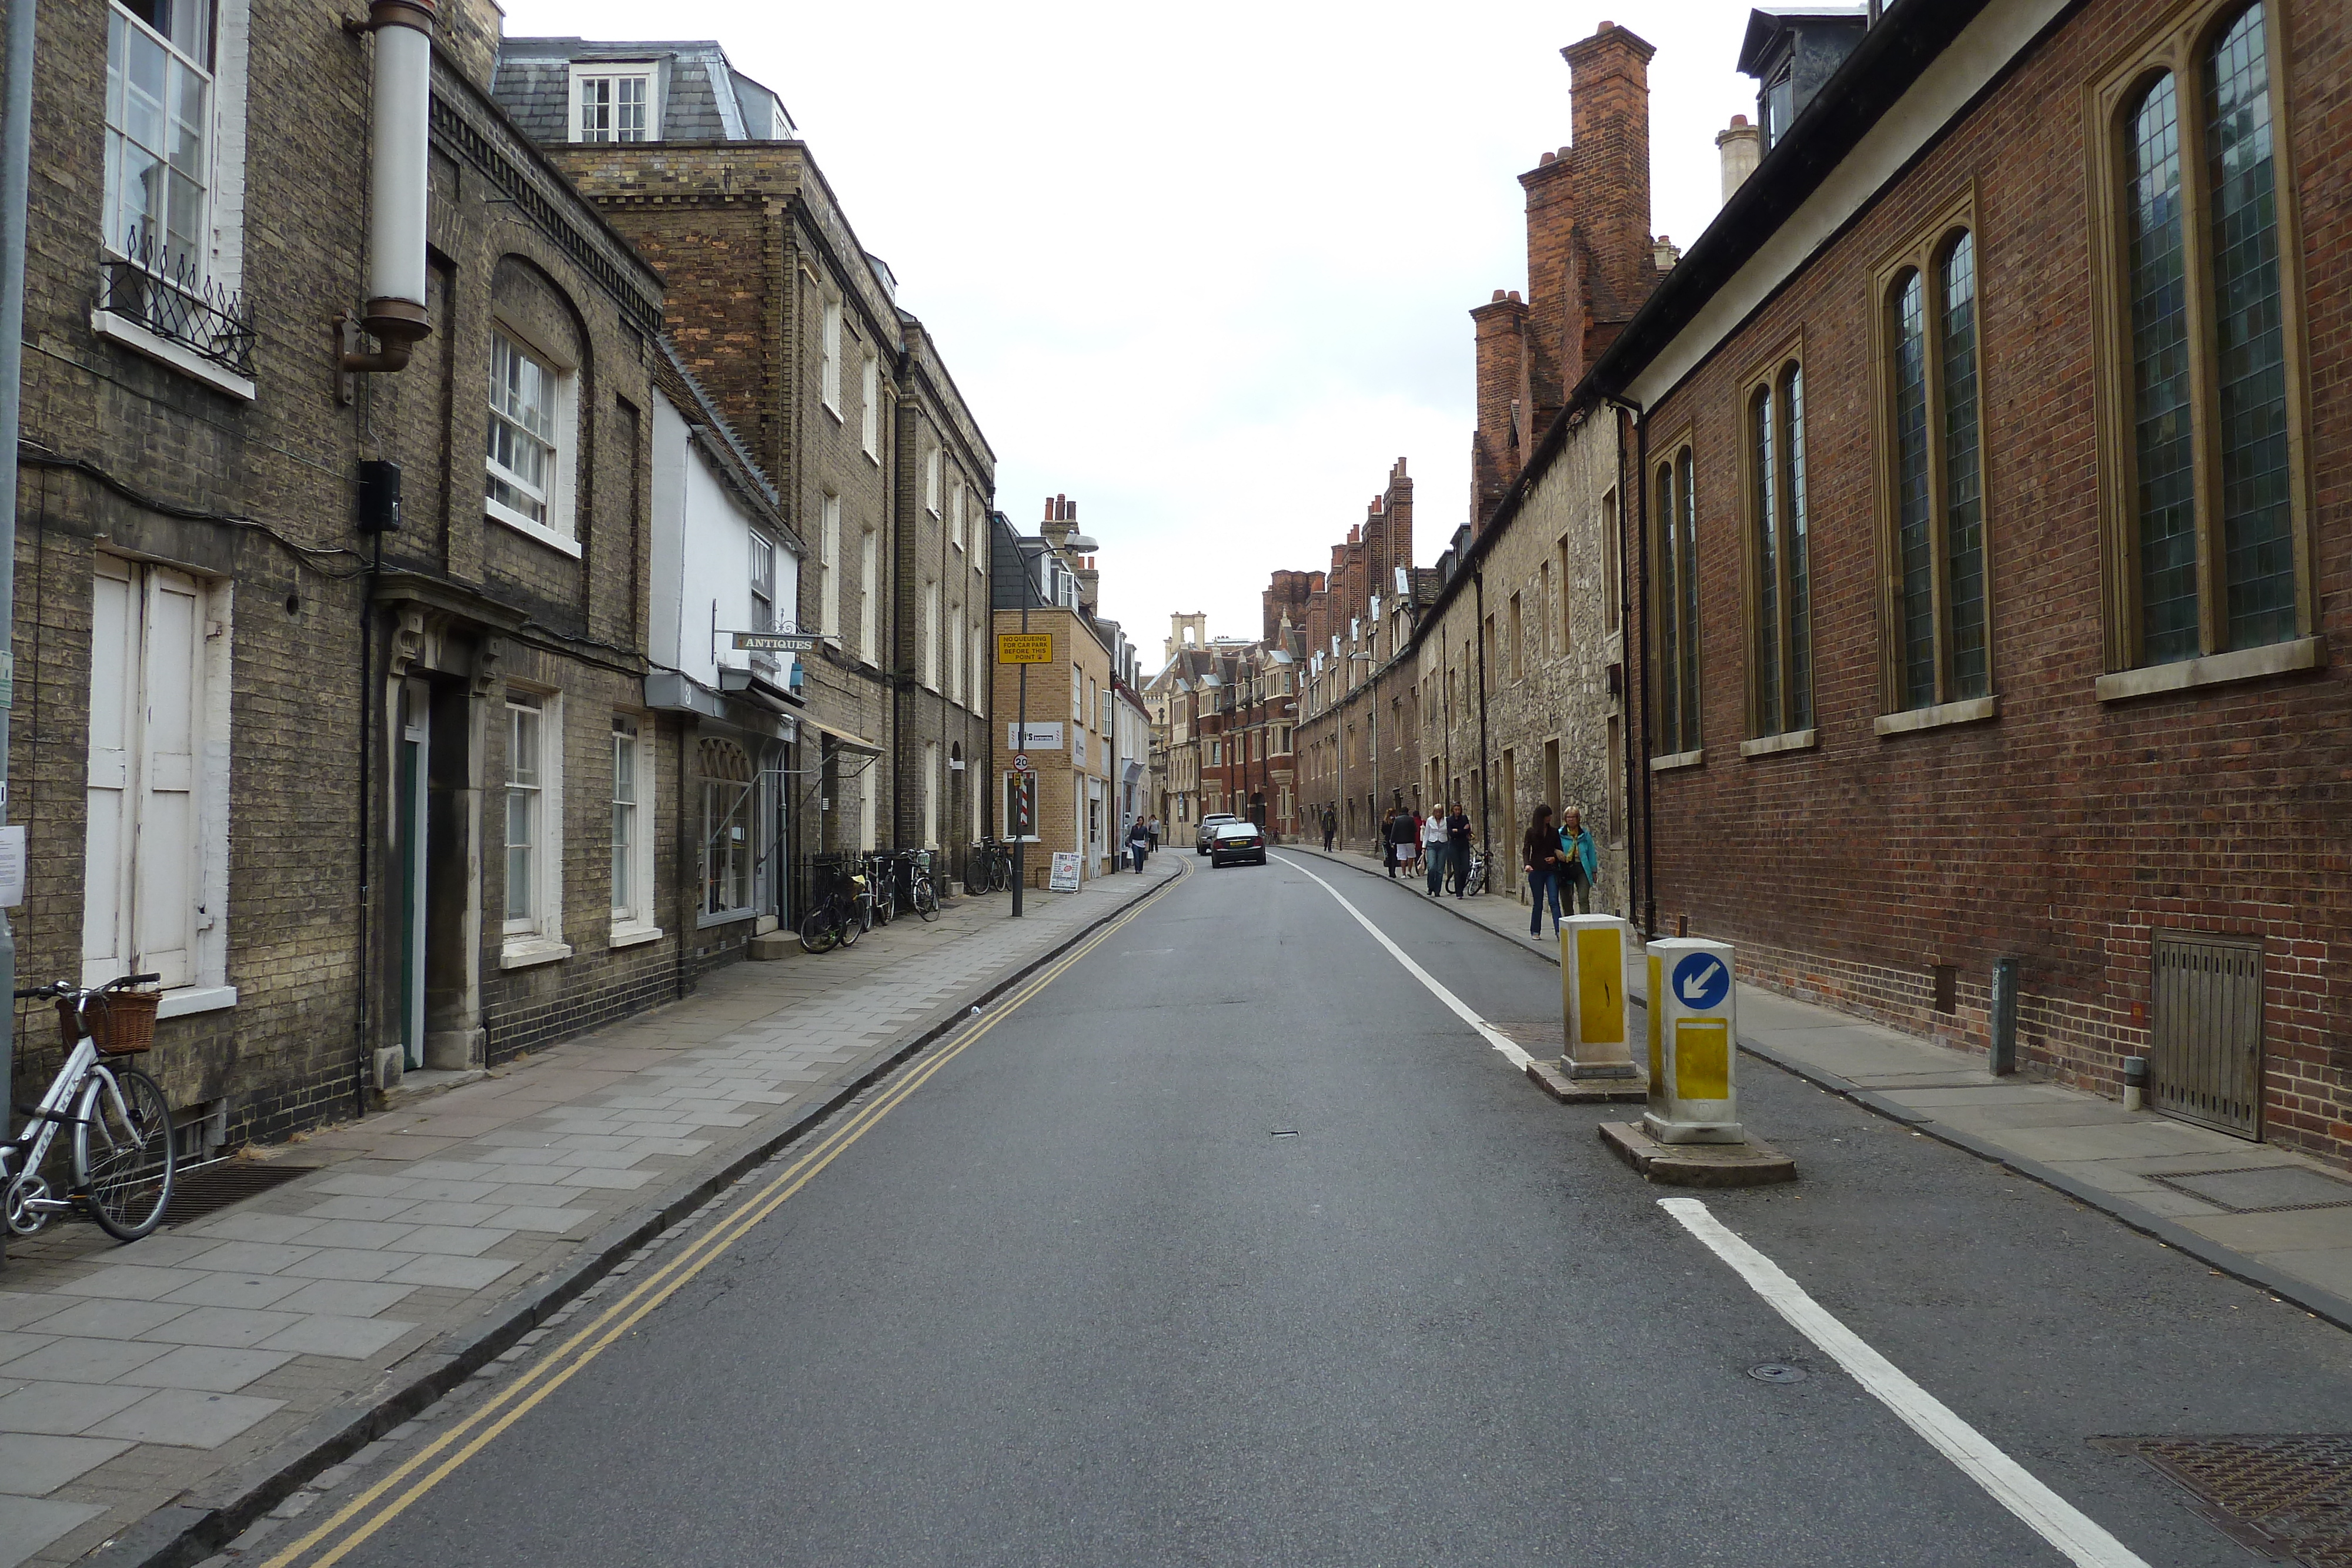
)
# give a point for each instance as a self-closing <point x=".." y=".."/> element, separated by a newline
<point x="2262" y="1190"/>
<point x="199" y="1190"/>
<point x="2289" y="1498"/>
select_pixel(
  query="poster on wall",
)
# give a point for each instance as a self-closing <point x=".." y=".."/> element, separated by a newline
<point x="1066" y="871"/>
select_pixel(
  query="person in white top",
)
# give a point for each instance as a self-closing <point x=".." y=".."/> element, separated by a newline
<point x="1432" y="849"/>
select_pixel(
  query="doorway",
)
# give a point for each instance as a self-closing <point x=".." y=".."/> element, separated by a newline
<point x="411" y="772"/>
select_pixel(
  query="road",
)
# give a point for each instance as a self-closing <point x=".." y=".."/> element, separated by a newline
<point x="1232" y="1245"/>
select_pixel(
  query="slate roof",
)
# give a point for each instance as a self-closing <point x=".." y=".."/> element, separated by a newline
<point x="701" y="96"/>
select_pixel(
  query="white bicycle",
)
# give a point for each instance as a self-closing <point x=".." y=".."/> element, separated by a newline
<point x="123" y="1153"/>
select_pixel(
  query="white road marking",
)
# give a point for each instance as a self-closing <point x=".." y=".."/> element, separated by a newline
<point x="2052" y="1517"/>
<point x="1503" y="1042"/>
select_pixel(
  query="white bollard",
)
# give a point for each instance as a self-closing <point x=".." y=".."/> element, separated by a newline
<point x="1599" y="1039"/>
<point x="1694" y="1043"/>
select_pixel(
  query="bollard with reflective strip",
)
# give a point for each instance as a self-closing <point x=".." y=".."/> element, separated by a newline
<point x="1595" y="1019"/>
<point x="1694" y="1049"/>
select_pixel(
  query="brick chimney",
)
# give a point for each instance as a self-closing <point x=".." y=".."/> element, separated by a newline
<point x="1609" y="95"/>
<point x="1498" y="444"/>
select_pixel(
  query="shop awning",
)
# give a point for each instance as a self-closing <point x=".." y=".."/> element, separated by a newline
<point x="842" y="739"/>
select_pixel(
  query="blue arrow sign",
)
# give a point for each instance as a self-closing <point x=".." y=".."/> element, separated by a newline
<point x="1701" y="981"/>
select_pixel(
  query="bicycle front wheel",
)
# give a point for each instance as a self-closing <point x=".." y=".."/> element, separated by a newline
<point x="853" y="922"/>
<point x="927" y="903"/>
<point x="123" y="1153"/>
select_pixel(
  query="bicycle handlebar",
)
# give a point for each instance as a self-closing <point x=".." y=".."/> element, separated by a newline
<point x="63" y="988"/>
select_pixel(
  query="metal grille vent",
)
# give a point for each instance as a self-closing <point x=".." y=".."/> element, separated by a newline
<point x="2289" y="1498"/>
<point x="2206" y="1030"/>
<point x="199" y="1190"/>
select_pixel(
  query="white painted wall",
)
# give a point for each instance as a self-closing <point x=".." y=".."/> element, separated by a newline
<point x="702" y="558"/>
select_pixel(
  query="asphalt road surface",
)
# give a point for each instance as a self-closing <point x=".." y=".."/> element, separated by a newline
<point x="1235" y="1245"/>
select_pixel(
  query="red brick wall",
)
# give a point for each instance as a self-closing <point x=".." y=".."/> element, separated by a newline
<point x="2065" y="830"/>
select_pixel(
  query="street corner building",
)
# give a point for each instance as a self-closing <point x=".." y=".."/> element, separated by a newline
<point x="1069" y="701"/>
<point x="433" y="638"/>
<point x="1990" y="528"/>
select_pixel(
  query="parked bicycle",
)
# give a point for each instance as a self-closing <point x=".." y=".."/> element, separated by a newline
<point x="922" y="897"/>
<point x="838" y="916"/>
<point x="1475" y="882"/>
<point x="882" y="887"/>
<point x="989" y="868"/>
<point x="122" y="1154"/>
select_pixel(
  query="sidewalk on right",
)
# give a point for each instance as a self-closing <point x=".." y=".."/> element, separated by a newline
<point x="2276" y="1219"/>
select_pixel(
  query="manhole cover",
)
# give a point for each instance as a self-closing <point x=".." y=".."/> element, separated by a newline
<point x="2288" y="1496"/>
<point x="201" y="1189"/>
<point x="1776" y="1372"/>
<point x="2267" y="1187"/>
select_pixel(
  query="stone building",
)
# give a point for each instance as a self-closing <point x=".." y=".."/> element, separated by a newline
<point x="837" y="391"/>
<point x="1991" y="508"/>
<point x="267" y="579"/>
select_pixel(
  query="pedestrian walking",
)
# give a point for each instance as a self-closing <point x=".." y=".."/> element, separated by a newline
<point x="1433" y="850"/>
<point x="1413" y="860"/>
<point x="1403" y="840"/>
<point x="1540" y="851"/>
<point x="1579" y="862"/>
<point x="1457" y="846"/>
<point x="1331" y="828"/>
<point x="1138" y="843"/>
<point x="1152" y="826"/>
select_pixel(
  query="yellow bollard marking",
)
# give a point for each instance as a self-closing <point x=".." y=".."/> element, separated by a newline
<point x="1601" y="987"/>
<point x="1658" y="1012"/>
<point x="1702" y="1059"/>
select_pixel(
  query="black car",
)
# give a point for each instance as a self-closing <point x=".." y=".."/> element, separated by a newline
<point x="1208" y="826"/>
<point x="1237" y="841"/>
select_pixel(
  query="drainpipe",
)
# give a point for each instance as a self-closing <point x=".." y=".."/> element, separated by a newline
<point x="1641" y="534"/>
<point x="1479" y="641"/>
<point x="400" y="140"/>
<point x="15" y="180"/>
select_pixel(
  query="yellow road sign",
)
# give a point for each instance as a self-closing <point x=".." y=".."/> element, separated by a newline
<point x="1025" y="647"/>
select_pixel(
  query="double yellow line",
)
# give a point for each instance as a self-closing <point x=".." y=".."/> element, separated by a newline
<point x="380" y="1504"/>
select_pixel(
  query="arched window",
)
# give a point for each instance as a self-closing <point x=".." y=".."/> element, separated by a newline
<point x="2206" y="512"/>
<point x="1779" y="603"/>
<point x="1935" y="477"/>
<point x="1674" y="613"/>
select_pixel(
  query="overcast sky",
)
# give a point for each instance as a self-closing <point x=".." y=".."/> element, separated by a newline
<point x="1206" y="272"/>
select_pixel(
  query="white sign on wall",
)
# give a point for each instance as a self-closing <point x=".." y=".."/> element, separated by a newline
<point x="1041" y="738"/>
<point x="1078" y="747"/>
<point x="12" y="866"/>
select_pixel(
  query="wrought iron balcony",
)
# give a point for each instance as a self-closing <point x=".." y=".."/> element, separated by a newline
<point x="166" y="295"/>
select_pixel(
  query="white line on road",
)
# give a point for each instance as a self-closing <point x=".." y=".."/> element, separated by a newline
<point x="2058" y="1521"/>
<point x="1495" y="1037"/>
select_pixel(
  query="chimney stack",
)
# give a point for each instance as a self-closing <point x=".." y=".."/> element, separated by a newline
<point x="1742" y="148"/>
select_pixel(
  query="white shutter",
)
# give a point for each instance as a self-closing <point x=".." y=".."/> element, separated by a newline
<point x="163" y="893"/>
<point x="113" y="732"/>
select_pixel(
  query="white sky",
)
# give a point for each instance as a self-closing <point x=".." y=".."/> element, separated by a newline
<point x="1205" y="273"/>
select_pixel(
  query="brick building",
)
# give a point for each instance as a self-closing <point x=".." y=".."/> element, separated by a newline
<point x="1991" y="502"/>
<point x="839" y="393"/>
<point x="1061" y="714"/>
<point x="237" y="710"/>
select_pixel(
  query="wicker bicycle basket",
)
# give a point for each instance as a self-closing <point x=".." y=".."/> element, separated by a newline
<point x="121" y="1023"/>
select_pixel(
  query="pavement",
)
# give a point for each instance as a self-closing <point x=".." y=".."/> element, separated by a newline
<point x="1231" y="1243"/>
<point x="2269" y="1215"/>
<point x="175" y="1388"/>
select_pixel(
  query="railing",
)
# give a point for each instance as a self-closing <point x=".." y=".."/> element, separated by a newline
<point x="164" y="294"/>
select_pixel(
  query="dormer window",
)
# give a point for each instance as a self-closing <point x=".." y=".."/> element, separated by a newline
<point x="1777" y="105"/>
<point x="613" y="105"/>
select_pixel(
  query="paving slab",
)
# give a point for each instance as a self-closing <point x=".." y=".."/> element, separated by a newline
<point x="34" y="1465"/>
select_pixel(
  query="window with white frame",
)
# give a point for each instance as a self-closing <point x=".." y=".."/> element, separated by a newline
<point x="930" y="794"/>
<point x="159" y="133"/>
<point x="829" y="569"/>
<point x="1016" y="787"/>
<point x="534" y="902"/>
<point x="156" y="843"/>
<point x="1078" y="694"/>
<point x="955" y="657"/>
<point x="931" y="480"/>
<point x="609" y="105"/>
<point x="979" y="670"/>
<point x="633" y="844"/>
<point x="870" y="413"/>
<point x="869" y="598"/>
<point x="955" y="514"/>
<point x="730" y="847"/>
<point x="529" y="399"/>
<point x="931" y="635"/>
<point x="829" y="365"/>
<point x="763" y="583"/>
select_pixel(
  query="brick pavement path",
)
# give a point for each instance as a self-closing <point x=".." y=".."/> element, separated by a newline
<point x="134" y="1376"/>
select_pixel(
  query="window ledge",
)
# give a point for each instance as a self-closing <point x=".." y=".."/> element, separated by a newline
<point x="528" y="952"/>
<point x="725" y="917"/>
<point x="833" y="411"/>
<point x="2213" y="669"/>
<point x="872" y="456"/>
<point x="1973" y="710"/>
<point x="1672" y="760"/>
<point x="532" y="530"/>
<point x="1789" y="740"/>
<point x="163" y="351"/>
<point x="630" y="935"/>
<point x="189" y="999"/>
